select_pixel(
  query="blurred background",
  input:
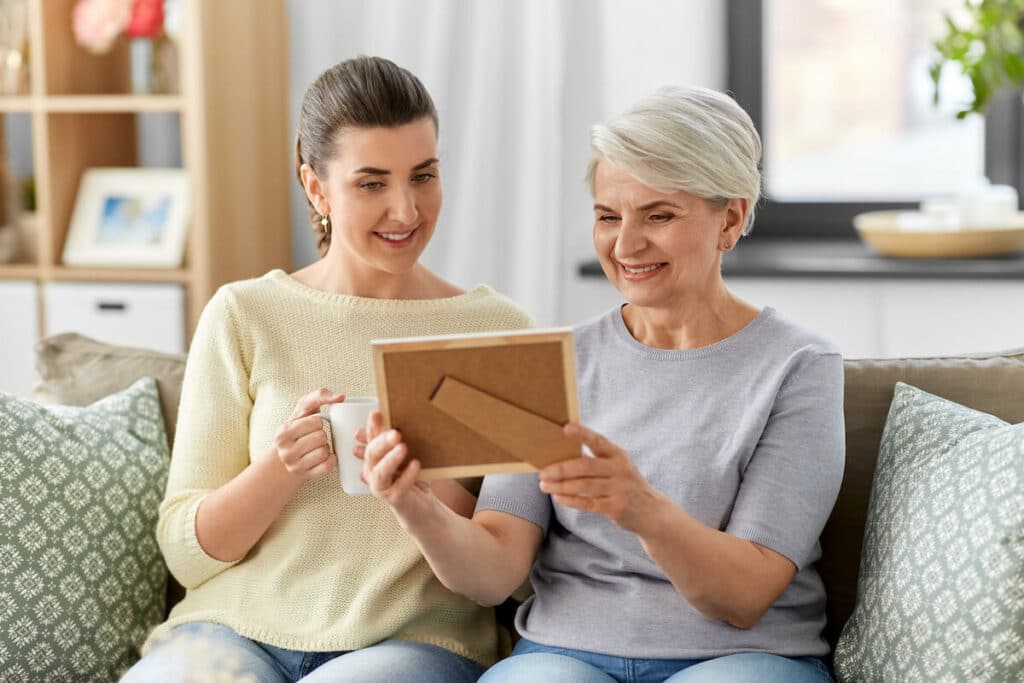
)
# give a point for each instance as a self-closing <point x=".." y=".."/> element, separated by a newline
<point x="842" y="91"/>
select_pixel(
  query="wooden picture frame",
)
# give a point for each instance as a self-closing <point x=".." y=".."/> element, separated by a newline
<point x="129" y="217"/>
<point x="475" y="404"/>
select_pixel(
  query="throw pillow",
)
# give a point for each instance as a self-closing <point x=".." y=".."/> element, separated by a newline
<point x="989" y="382"/>
<point x="75" y="370"/>
<point x="941" y="589"/>
<point x="81" y="577"/>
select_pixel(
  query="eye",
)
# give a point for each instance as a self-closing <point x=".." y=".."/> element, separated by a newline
<point x="660" y="217"/>
<point x="609" y="218"/>
<point x="423" y="177"/>
<point x="372" y="185"/>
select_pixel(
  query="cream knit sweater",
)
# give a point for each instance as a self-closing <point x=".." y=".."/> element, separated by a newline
<point x="333" y="572"/>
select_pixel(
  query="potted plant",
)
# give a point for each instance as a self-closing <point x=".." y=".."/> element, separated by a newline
<point x="989" y="49"/>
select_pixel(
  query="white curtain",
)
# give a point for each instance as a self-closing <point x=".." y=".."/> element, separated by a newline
<point x="495" y="70"/>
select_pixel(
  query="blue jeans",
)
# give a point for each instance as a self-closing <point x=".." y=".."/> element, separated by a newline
<point x="535" y="662"/>
<point x="203" y="651"/>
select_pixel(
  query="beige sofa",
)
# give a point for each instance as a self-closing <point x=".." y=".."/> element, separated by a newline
<point x="77" y="370"/>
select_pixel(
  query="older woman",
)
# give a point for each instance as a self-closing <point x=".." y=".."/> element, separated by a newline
<point x="684" y="550"/>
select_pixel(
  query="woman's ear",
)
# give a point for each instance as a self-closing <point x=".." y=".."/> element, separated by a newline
<point x="736" y="212"/>
<point x="314" y="189"/>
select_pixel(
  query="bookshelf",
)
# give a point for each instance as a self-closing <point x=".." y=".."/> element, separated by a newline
<point x="232" y="110"/>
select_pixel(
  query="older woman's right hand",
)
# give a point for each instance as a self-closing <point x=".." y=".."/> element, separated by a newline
<point x="388" y="472"/>
<point x="301" y="442"/>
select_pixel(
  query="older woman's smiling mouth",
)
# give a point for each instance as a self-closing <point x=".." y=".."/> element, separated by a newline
<point x="641" y="271"/>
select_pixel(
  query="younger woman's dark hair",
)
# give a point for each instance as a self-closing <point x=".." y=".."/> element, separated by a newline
<point x="363" y="92"/>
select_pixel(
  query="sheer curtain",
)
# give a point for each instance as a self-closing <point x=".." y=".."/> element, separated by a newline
<point x="495" y="69"/>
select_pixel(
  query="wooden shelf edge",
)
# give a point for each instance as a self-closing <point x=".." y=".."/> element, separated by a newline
<point x="178" y="275"/>
<point x="20" y="271"/>
<point x="88" y="104"/>
<point x="17" y="104"/>
<point x="91" y="104"/>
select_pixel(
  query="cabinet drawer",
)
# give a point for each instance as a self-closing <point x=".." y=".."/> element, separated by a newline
<point x="150" y="316"/>
<point x="19" y="329"/>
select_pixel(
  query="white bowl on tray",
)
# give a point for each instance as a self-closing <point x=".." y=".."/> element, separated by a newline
<point x="912" y="234"/>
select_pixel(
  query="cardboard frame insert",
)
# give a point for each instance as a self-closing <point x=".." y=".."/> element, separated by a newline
<point x="475" y="404"/>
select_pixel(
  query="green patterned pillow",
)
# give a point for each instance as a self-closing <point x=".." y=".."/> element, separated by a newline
<point x="940" y="595"/>
<point x="81" y="577"/>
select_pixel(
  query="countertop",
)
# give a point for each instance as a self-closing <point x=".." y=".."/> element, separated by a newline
<point x="790" y="258"/>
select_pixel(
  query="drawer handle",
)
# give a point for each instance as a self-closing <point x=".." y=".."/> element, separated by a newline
<point x="111" y="306"/>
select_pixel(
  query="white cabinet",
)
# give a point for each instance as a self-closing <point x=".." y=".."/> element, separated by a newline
<point x="150" y="316"/>
<point x="894" y="318"/>
<point x="950" y="317"/>
<point x="847" y="312"/>
<point x="873" y="318"/>
<point x="19" y="330"/>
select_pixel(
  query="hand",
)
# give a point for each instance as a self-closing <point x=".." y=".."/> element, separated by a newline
<point x="301" y="442"/>
<point x="386" y="468"/>
<point x="608" y="483"/>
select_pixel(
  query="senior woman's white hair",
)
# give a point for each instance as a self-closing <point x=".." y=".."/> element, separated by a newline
<point x="684" y="138"/>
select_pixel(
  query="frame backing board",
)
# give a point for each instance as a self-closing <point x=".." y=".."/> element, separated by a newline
<point x="523" y="381"/>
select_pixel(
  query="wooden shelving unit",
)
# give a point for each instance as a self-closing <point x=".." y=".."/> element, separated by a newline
<point x="233" y="113"/>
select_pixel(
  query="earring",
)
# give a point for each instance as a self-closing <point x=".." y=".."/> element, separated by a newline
<point x="727" y="245"/>
<point x="325" y="223"/>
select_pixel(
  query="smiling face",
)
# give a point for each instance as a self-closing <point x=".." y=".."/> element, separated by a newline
<point x="383" y="191"/>
<point x="659" y="249"/>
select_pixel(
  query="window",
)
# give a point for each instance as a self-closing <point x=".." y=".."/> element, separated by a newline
<point x="840" y="91"/>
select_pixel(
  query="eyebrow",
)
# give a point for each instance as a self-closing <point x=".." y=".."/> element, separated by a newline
<point x="645" y="207"/>
<point x="371" y="170"/>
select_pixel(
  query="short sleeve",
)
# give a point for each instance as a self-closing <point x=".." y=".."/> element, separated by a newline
<point x="516" y="494"/>
<point x="792" y="480"/>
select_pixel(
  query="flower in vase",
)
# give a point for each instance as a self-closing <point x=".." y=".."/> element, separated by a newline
<point x="97" y="23"/>
<point x="147" y="19"/>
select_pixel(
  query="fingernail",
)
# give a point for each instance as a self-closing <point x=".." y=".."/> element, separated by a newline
<point x="392" y="436"/>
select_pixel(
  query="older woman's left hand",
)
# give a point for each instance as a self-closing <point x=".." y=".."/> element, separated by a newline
<point x="608" y="483"/>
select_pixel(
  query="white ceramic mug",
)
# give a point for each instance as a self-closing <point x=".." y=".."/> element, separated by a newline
<point x="345" y="418"/>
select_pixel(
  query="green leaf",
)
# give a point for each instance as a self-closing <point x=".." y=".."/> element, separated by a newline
<point x="1014" y="65"/>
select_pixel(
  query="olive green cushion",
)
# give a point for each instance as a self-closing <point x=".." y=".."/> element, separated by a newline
<point x="81" y="577"/>
<point x="941" y="589"/>
<point x="75" y="370"/>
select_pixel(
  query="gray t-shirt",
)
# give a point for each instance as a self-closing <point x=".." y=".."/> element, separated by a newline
<point x="746" y="435"/>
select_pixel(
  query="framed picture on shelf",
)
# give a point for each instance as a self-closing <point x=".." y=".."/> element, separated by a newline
<point x="129" y="218"/>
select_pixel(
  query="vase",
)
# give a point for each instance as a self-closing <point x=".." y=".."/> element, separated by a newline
<point x="28" y="237"/>
<point x="154" y="66"/>
<point x="141" y="51"/>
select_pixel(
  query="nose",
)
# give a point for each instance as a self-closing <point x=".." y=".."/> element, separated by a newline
<point x="402" y="208"/>
<point x="630" y="241"/>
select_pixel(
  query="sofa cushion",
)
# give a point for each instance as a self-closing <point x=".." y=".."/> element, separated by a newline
<point x="992" y="383"/>
<point x="75" y="370"/>
<point x="941" y="588"/>
<point x="81" y="577"/>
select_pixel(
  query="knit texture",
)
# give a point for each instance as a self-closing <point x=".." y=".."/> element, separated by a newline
<point x="333" y="572"/>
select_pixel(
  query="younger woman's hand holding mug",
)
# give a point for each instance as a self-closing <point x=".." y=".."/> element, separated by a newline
<point x="301" y="442"/>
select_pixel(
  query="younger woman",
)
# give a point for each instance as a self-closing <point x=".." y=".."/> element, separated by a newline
<point x="287" y="576"/>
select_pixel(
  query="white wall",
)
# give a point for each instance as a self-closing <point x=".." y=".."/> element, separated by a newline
<point x="615" y="51"/>
<point x="644" y="44"/>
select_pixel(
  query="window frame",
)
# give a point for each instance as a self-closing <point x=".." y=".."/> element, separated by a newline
<point x="834" y="220"/>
